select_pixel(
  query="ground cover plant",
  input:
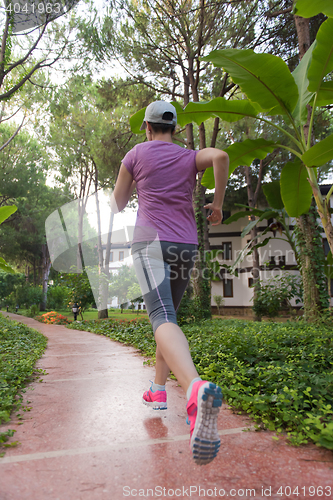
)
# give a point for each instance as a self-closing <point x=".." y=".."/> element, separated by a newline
<point x="20" y="347"/>
<point x="280" y="374"/>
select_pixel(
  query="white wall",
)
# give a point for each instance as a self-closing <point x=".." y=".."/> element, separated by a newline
<point x="276" y="247"/>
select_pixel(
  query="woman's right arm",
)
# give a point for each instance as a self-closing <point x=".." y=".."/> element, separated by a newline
<point x="219" y="160"/>
<point x="123" y="190"/>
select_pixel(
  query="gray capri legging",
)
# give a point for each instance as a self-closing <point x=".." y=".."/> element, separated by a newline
<point x="163" y="270"/>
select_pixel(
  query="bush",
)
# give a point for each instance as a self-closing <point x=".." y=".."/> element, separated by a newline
<point x="27" y="295"/>
<point x="58" y="297"/>
<point x="33" y="311"/>
<point x="8" y="281"/>
<point x="189" y="310"/>
<point x="275" y="294"/>
<point x="280" y="374"/>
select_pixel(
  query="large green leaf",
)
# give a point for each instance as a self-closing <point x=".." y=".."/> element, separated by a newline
<point x="5" y="212"/>
<point x="229" y="111"/>
<point x="329" y="258"/>
<point x="300" y="75"/>
<point x="296" y="191"/>
<point x="310" y="8"/>
<point x="5" y="267"/>
<point x="241" y="153"/>
<point x="272" y="192"/>
<point x="198" y="112"/>
<point x="325" y="94"/>
<point x="267" y="214"/>
<point x="239" y="215"/>
<point x="264" y="78"/>
<point x="236" y="216"/>
<point x="136" y="121"/>
<point x="322" y="56"/>
<point x="320" y="153"/>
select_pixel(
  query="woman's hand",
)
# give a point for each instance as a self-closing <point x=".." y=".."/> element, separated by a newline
<point x="216" y="216"/>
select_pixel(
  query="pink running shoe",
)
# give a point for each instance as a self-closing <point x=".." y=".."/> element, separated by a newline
<point x="156" y="400"/>
<point x="202" y="409"/>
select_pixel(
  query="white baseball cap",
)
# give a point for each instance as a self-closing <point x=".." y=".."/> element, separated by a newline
<point x="160" y="112"/>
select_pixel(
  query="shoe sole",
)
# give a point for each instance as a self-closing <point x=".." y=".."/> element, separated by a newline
<point x="155" y="405"/>
<point x="205" y="440"/>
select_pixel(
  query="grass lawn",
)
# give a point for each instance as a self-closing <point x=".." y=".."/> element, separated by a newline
<point x="93" y="314"/>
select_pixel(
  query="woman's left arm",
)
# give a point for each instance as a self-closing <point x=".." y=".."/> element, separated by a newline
<point x="123" y="190"/>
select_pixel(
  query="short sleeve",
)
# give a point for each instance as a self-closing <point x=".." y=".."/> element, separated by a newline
<point x="129" y="160"/>
<point x="195" y="152"/>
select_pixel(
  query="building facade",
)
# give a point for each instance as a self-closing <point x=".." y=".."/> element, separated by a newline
<point x="275" y="258"/>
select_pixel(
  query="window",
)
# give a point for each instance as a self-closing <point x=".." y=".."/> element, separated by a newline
<point x="272" y="260"/>
<point x="227" y="288"/>
<point x="326" y="247"/>
<point x="227" y="250"/>
<point x="121" y="255"/>
<point x="250" y="280"/>
<point x="282" y="260"/>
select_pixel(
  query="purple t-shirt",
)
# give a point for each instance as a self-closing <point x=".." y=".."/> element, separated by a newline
<point x="165" y="176"/>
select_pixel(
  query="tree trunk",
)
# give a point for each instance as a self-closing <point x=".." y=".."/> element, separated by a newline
<point x="201" y="282"/>
<point x="46" y="267"/>
<point x="79" y="260"/>
<point x="305" y="225"/>
<point x="303" y="34"/>
<point x="104" y="283"/>
<point x="102" y="296"/>
<point x="315" y="296"/>
<point x="252" y="200"/>
<point x="34" y="264"/>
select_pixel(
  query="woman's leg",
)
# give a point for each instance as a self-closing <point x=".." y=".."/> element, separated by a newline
<point x="173" y="346"/>
<point x="171" y="342"/>
<point x="163" y="271"/>
<point x="161" y="367"/>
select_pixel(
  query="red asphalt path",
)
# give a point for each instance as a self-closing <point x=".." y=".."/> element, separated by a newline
<point x="89" y="437"/>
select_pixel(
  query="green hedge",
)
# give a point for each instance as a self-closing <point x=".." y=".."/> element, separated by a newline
<point x="20" y="347"/>
<point x="281" y="374"/>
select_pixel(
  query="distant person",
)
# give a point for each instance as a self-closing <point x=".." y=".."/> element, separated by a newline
<point x="164" y="249"/>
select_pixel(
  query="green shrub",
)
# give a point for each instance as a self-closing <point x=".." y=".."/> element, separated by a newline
<point x="278" y="373"/>
<point x="8" y="281"/>
<point x="275" y="294"/>
<point x="33" y="311"/>
<point x="27" y="295"/>
<point x="189" y="310"/>
<point x="20" y="348"/>
<point x="58" y="297"/>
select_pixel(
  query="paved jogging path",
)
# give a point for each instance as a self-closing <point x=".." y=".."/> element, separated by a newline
<point x="89" y="437"/>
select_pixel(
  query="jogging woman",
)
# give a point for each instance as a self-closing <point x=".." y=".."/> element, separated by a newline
<point x="164" y="249"/>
